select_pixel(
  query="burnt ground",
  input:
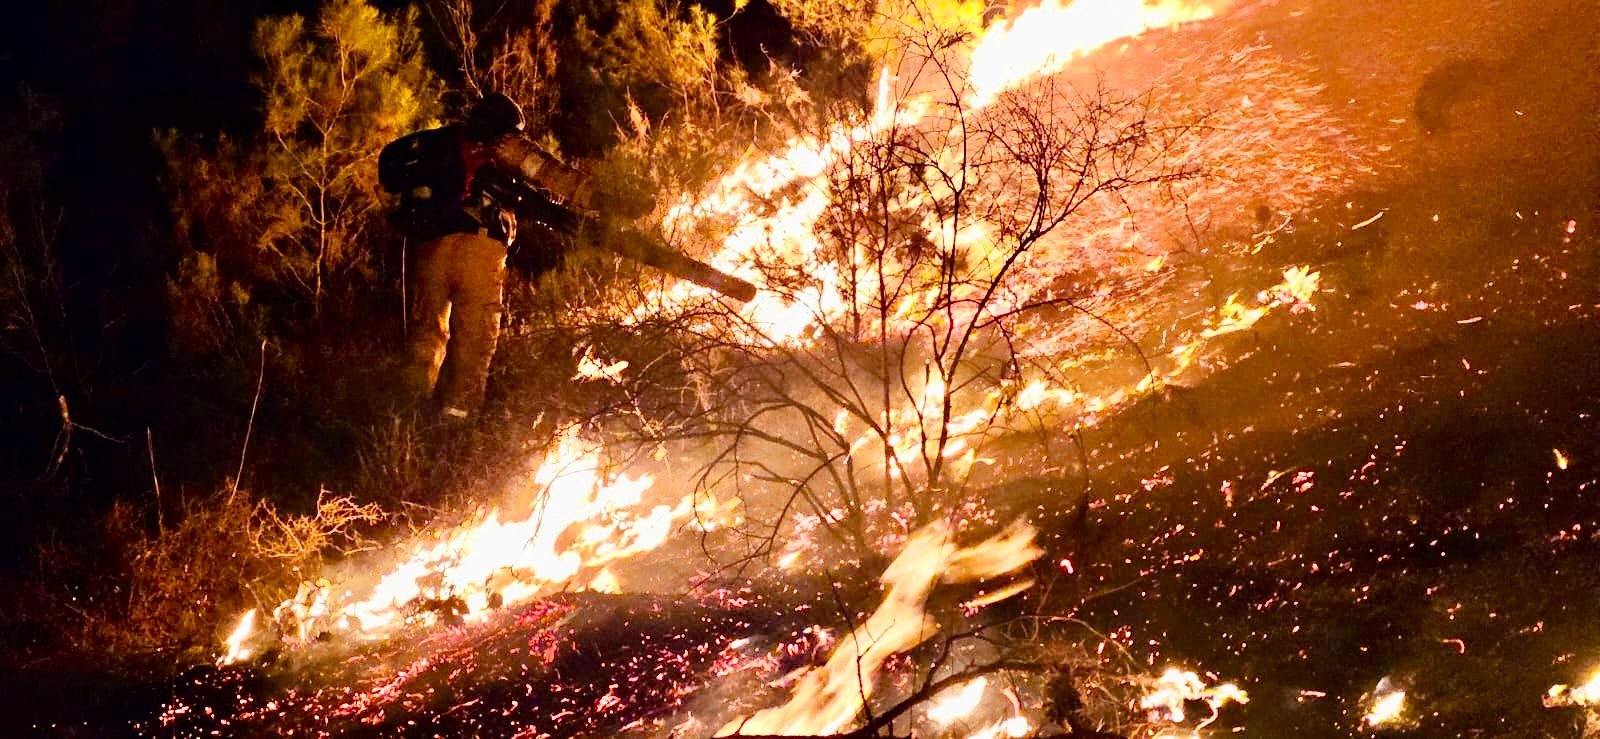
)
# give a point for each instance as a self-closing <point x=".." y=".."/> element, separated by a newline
<point x="1376" y="492"/>
<point x="570" y="665"/>
<point x="1373" y="490"/>
<point x="1367" y="491"/>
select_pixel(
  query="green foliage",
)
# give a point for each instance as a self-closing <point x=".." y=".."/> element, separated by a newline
<point x="334" y="94"/>
<point x="652" y="44"/>
<point x="829" y="22"/>
<point x="658" y="54"/>
<point x="281" y="238"/>
<point x="681" y="111"/>
<point x="293" y="213"/>
<point x="880" y="28"/>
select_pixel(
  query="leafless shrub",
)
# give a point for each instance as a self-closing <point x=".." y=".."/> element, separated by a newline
<point x="926" y="227"/>
<point x="334" y="526"/>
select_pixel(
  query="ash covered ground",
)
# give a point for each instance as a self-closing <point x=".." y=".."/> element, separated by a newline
<point x="1403" y="484"/>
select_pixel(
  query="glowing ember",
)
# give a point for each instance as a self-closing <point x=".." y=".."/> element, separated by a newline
<point x="1561" y="459"/>
<point x="235" y="642"/>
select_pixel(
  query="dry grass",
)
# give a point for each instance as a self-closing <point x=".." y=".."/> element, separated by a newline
<point x="165" y="590"/>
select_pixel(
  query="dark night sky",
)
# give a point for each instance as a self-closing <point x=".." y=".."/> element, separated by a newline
<point x="113" y="73"/>
<point x="180" y="63"/>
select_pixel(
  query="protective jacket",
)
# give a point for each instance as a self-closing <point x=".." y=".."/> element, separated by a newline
<point x="455" y="206"/>
<point x="460" y="236"/>
<point x="433" y="173"/>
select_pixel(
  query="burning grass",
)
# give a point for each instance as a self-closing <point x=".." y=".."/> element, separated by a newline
<point x="631" y="665"/>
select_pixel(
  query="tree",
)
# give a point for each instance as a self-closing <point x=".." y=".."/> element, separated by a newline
<point x="291" y="214"/>
<point x="38" y="356"/>
<point x="512" y="51"/>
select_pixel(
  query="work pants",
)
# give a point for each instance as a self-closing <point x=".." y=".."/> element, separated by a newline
<point x="459" y="279"/>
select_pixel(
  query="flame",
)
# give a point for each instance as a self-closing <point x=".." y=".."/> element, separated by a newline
<point x="1176" y="687"/>
<point x="235" y="641"/>
<point x="1298" y="286"/>
<point x="948" y="710"/>
<point x="826" y="700"/>
<point x="590" y="368"/>
<point x="1387" y="704"/>
<point x="772" y="221"/>
<point x="1014" y="727"/>
<point x="1586" y="695"/>
<point x="988" y="599"/>
<point x="770" y="209"/>
<point x="606" y="582"/>
<point x="1045" y="39"/>
<point x="570" y="517"/>
<point x="517" y="556"/>
<point x="573" y="517"/>
<point x="1234" y="316"/>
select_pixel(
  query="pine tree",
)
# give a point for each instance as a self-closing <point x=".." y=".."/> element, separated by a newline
<point x="278" y="221"/>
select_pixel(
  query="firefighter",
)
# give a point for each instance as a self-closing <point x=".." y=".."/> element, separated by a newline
<point x="462" y="235"/>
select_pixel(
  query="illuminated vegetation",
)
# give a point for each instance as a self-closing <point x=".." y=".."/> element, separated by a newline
<point x="1073" y="381"/>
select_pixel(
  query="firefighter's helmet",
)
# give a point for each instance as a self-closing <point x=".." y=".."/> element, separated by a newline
<point x="494" y="116"/>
